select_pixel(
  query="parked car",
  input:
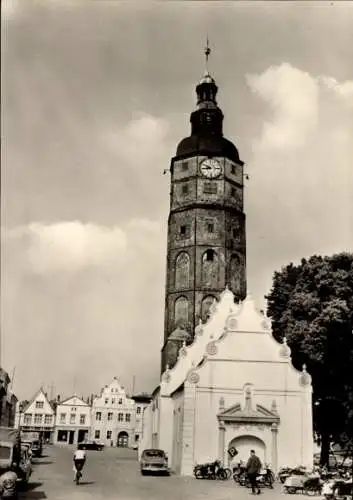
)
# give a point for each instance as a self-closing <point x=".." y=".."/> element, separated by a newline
<point x="37" y="442"/>
<point x="90" y="445"/>
<point x="154" y="460"/>
<point x="25" y="465"/>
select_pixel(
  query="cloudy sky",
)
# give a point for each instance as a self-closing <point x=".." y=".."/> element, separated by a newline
<point x="95" y="97"/>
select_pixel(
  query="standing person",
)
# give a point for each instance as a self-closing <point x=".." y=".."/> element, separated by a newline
<point x="253" y="468"/>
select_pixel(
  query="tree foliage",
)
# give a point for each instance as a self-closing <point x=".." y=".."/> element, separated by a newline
<point x="311" y="304"/>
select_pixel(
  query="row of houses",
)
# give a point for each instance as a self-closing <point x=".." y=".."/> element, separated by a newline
<point x="112" y="418"/>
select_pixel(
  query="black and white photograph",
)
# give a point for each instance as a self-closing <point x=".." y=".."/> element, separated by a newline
<point x="176" y="249"/>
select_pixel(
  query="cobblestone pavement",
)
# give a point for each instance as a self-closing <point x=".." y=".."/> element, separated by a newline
<point x="114" y="474"/>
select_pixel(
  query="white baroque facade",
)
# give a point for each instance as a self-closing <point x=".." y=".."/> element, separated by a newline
<point x="234" y="386"/>
<point x="113" y="417"/>
<point x="72" y="421"/>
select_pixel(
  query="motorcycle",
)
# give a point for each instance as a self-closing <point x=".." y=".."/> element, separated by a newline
<point x="338" y="488"/>
<point x="213" y="470"/>
<point x="265" y="478"/>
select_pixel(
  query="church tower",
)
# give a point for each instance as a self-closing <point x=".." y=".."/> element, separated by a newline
<point x="206" y="226"/>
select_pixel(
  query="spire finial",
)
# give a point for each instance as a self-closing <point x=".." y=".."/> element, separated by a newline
<point x="207" y="53"/>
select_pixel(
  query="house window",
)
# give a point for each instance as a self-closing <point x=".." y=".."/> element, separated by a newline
<point x="98" y="416"/>
<point x="38" y="418"/>
<point x="120" y="401"/>
<point x="185" y="189"/>
<point x="97" y="434"/>
<point x="28" y="419"/>
<point x="72" y="418"/>
<point x="138" y="410"/>
<point x="184" y="166"/>
<point x="127" y="417"/>
<point x="210" y="188"/>
<point x="110" y="416"/>
<point x="210" y="227"/>
<point x="136" y="438"/>
<point x="82" y="419"/>
<point x="109" y="434"/>
<point x="120" y="417"/>
<point x="209" y="255"/>
<point x="39" y="404"/>
<point x="62" y="418"/>
<point x="47" y="419"/>
<point x="106" y="401"/>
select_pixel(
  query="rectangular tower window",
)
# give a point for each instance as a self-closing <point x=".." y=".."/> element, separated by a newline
<point x="185" y="189"/>
<point x="210" y="188"/>
<point x="184" y="166"/>
<point x="232" y="169"/>
<point x="183" y="230"/>
<point x="210" y="227"/>
<point x="232" y="192"/>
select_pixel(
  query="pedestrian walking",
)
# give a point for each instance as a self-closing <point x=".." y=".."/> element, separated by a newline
<point x="253" y="467"/>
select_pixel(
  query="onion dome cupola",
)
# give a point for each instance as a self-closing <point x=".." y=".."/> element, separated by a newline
<point x="207" y="123"/>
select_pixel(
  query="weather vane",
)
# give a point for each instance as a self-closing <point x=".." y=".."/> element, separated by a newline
<point x="207" y="53"/>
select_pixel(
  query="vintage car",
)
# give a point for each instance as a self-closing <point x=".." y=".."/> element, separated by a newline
<point x="10" y="458"/>
<point x="35" y="439"/>
<point x="90" y="445"/>
<point x="154" y="460"/>
<point x="25" y="465"/>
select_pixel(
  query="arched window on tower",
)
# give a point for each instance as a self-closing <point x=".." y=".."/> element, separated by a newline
<point x="181" y="312"/>
<point x="205" y="306"/>
<point x="182" y="270"/>
<point x="210" y="269"/>
<point x="235" y="274"/>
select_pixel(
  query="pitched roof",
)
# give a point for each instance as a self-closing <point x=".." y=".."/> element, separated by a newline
<point x="40" y="391"/>
<point x="72" y="397"/>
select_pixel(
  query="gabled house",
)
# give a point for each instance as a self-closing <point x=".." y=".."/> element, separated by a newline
<point x="113" y="417"/>
<point x="73" y="421"/>
<point x="37" y="415"/>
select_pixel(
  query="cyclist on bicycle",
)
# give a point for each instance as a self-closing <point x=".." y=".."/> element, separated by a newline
<point x="79" y="460"/>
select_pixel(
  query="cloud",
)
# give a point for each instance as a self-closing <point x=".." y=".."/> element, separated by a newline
<point x="68" y="246"/>
<point x="342" y="90"/>
<point x="86" y="296"/>
<point x="299" y="198"/>
<point x="292" y="96"/>
<point x="142" y="137"/>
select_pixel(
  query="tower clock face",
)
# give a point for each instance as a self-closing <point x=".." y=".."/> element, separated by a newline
<point x="211" y="168"/>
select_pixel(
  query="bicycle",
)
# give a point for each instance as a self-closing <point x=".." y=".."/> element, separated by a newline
<point x="78" y="476"/>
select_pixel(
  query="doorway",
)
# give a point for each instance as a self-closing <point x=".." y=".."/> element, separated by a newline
<point x="71" y="437"/>
<point x="243" y="445"/>
<point x="123" y="440"/>
<point x="82" y="434"/>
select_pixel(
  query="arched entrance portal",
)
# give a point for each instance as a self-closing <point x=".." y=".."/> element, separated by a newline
<point x="243" y="445"/>
<point x="123" y="439"/>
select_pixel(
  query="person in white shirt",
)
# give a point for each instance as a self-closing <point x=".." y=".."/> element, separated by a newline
<point x="79" y="460"/>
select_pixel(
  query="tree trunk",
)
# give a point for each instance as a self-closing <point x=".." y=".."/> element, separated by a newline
<point x="325" y="448"/>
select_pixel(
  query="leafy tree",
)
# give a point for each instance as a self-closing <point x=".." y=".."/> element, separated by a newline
<point x="311" y="304"/>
